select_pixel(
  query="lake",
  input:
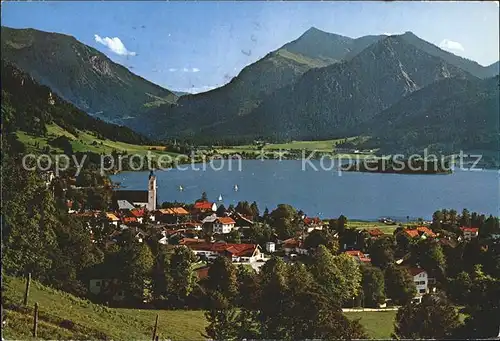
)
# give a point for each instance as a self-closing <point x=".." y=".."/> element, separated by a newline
<point x="326" y="193"/>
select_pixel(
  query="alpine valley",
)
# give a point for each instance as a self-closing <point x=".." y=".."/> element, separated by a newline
<point x="400" y="92"/>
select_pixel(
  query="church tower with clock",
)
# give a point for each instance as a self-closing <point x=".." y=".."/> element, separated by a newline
<point x="151" y="192"/>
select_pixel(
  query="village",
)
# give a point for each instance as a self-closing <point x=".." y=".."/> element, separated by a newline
<point x="210" y="230"/>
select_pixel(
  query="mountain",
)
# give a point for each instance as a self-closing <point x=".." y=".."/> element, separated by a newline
<point x="82" y="75"/>
<point x="30" y="107"/>
<point x="468" y="65"/>
<point x="494" y="69"/>
<point x="446" y="116"/>
<point x="334" y="100"/>
<point x="244" y="93"/>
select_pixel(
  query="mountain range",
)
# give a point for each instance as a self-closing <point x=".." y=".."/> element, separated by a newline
<point x="319" y="86"/>
<point x="82" y="75"/>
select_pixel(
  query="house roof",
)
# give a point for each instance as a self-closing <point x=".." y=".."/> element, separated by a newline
<point x="355" y="253"/>
<point x="470" y="229"/>
<point x="426" y="230"/>
<point x="238" y="250"/>
<point x="112" y="216"/>
<point x="312" y="221"/>
<point x="413" y="233"/>
<point x="131" y="195"/>
<point x="173" y="211"/>
<point x="292" y="243"/>
<point x="138" y="212"/>
<point x="127" y="220"/>
<point x="415" y="271"/>
<point x="124" y="205"/>
<point x="209" y="219"/>
<point x="225" y="220"/>
<point x="375" y="232"/>
<point x="203" y="205"/>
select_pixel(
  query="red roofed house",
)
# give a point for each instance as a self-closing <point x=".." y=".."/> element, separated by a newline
<point x="245" y="253"/>
<point x="294" y="245"/>
<point x="375" y="232"/>
<point x="421" y="279"/>
<point x="469" y="232"/>
<point x="138" y="213"/>
<point x="421" y="231"/>
<point x="205" y="206"/>
<point x="359" y="256"/>
<point x="223" y="225"/>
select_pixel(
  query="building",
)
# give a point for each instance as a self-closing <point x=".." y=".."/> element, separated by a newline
<point x="470" y="232"/>
<point x="240" y="253"/>
<point x="270" y="247"/>
<point x="375" y="233"/>
<point x="359" y="256"/>
<point x="205" y="207"/>
<point x="139" y="198"/>
<point x="420" y="232"/>
<point x="223" y="225"/>
<point x="421" y="279"/>
<point x="294" y="245"/>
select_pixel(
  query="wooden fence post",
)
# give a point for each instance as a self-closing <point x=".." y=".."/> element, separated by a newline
<point x="35" y="320"/>
<point x="27" y="290"/>
<point x="157" y="337"/>
<point x="156" y="326"/>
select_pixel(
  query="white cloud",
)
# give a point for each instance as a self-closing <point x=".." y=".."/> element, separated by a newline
<point x="114" y="44"/>
<point x="186" y="69"/>
<point x="451" y="45"/>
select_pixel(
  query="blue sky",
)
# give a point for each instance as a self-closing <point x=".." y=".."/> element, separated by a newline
<point x="195" y="46"/>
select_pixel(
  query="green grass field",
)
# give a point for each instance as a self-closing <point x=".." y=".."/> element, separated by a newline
<point x="361" y="225"/>
<point x="93" y="321"/>
<point x="86" y="142"/>
<point x="378" y="324"/>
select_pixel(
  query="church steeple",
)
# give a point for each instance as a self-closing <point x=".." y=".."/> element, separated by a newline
<point x="151" y="192"/>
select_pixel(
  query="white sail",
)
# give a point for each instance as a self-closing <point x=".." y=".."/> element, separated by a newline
<point x="220" y="197"/>
<point x="235" y="188"/>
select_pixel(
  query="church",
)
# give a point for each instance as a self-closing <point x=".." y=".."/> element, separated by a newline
<point x="128" y="199"/>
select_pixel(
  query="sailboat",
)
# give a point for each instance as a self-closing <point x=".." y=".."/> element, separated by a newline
<point x="181" y="188"/>
<point x="235" y="188"/>
<point x="220" y="197"/>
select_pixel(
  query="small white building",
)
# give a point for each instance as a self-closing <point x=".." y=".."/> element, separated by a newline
<point x="470" y="232"/>
<point x="223" y="225"/>
<point x="421" y="279"/>
<point x="270" y="247"/>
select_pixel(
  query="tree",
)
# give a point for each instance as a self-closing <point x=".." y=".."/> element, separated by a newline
<point x="221" y="317"/>
<point x="382" y="253"/>
<point x="285" y="220"/>
<point x="255" y="210"/>
<point x="221" y="211"/>
<point x="243" y="207"/>
<point x="399" y="285"/>
<point x="373" y="286"/>
<point x="204" y="197"/>
<point x="434" y="318"/>
<point x="181" y="278"/>
<point x="222" y="278"/>
<point x="429" y="255"/>
<point x="482" y="307"/>
<point x="465" y="218"/>
<point x="321" y="237"/>
<point x="338" y="277"/>
<point x="136" y="269"/>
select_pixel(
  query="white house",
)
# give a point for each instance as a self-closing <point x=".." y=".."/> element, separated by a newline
<point x="470" y="232"/>
<point x="270" y="247"/>
<point x="294" y="245"/>
<point x="421" y="279"/>
<point x="223" y="225"/>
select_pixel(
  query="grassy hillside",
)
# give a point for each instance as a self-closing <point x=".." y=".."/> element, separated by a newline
<point x="89" y="321"/>
<point x="63" y="316"/>
<point x="86" y="141"/>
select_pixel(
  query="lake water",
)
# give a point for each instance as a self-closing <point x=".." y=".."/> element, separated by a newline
<point x="323" y="192"/>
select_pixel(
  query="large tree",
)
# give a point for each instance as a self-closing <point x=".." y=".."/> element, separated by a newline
<point x="382" y="252"/>
<point x="434" y="318"/>
<point x="399" y="285"/>
<point x="373" y="286"/>
<point x="181" y="278"/>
